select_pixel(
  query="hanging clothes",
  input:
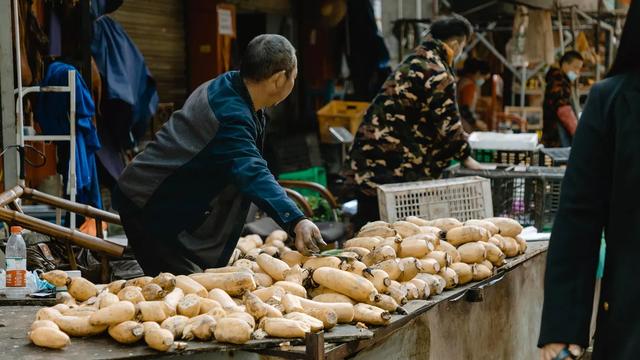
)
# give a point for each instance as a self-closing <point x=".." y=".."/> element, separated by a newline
<point x="52" y="114"/>
<point x="367" y="54"/>
<point x="128" y="86"/>
<point x="539" y="44"/>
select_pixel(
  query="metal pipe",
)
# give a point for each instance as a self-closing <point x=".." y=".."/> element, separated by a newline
<point x="72" y="180"/>
<point x="560" y="29"/>
<point x="497" y="54"/>
<point x="479" y="7"/>
<point x="60" y="232"/>
<point x="82" y="209"/>
<point x="603" y="24"/>
<point x="19" y="110"/>
<point x="523" y="84"/>
<point x="419" y="9"/>
<point x="573" y="23"/>
<point x="10" y="195"/>
<point x="300" y="200"/>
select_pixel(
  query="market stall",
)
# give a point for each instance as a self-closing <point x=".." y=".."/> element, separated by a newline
<point x="455" y="324"/>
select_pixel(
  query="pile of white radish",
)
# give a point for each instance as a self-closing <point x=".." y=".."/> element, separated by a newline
<point x="270" y="290"/>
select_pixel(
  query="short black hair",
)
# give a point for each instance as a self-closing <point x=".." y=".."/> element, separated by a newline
<point x="266" y="55"/>
<point x="447" y="27"/>
<point x="473" y="65"/>
<point x="570" y="56"/>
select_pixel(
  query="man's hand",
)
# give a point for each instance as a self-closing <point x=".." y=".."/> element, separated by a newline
<point x="471" y="163"/>
<point x="308" y="237"/>
<point x="551" y="351"/>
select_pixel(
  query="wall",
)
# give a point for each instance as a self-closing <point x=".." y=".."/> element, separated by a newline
<point x="157" y="28"/>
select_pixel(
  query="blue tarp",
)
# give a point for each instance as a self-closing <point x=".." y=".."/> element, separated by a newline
<point x="124" y="72"/>
<point x="52" y="114"/>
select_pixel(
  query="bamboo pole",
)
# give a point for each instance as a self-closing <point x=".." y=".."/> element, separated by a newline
<point x="60" y="232"/>
<point x="77" y="208"/>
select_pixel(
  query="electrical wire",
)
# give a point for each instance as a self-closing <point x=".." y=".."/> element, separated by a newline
<point x="31" y="163"/>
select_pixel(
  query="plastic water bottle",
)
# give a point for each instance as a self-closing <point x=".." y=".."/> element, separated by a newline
<point x="16" y="277"/>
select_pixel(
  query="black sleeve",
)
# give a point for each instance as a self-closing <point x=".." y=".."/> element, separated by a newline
<point x="573" y="252"/>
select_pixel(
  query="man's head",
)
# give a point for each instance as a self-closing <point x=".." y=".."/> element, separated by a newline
<point x="270" y="63"/>
<point x="477" y="70"/>
<point x="571" y="64"/>
<point x="454" y="31"/>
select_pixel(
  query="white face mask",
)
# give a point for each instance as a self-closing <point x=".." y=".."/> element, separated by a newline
<point x="572" y="76"/>
<point x="479" y="82"/>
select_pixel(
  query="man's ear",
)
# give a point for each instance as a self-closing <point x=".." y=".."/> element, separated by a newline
<point x="280" y="79"/>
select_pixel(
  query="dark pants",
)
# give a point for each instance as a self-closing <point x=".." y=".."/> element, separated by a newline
<point x="367" y="210"/>
<point x="156" y="255"/>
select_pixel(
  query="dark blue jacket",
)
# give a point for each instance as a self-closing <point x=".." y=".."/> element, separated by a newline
<point x="195" y="182"/>
<point x="600" y="193"/>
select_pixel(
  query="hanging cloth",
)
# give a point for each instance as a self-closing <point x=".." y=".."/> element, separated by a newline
<point x="52" y="114"/>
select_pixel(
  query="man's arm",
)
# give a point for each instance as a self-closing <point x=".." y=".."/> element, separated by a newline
<point x="568" y="118"/>
<point x="235" y="147"/>
<point x="442" y="110"/>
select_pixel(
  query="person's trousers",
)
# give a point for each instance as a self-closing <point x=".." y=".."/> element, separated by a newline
<point x="367" y="210"/>
<point x="565" y="138"/>
<point x="154" y="254"/>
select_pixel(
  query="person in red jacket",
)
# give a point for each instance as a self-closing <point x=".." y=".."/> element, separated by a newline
<point x="560" y="120"/>
<point x="474" y="74"/>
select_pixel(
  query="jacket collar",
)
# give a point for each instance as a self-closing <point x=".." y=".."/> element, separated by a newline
<point x="241" y="88"/>
<point x="436" y="47"/>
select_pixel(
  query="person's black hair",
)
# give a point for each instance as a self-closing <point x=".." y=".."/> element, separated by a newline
<point x="473" y="66"/>
<point x="627" y="58"/>
<point x="570" y="56"/>
<point x="451" y="26"/>
<point x="266" y="55"/>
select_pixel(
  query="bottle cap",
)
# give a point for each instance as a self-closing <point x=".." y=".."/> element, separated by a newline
<point x="16" y="229"/>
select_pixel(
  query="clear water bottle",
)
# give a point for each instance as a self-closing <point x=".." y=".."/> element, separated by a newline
<point x="16" y="277"/>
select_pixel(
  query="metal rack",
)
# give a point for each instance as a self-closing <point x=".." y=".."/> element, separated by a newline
<point x="20" y="129"/>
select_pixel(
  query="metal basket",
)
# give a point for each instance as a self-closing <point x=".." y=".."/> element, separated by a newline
<point x="463" y="198"/>
<point x="530" y="195"/>
<point x="554" y="156"/>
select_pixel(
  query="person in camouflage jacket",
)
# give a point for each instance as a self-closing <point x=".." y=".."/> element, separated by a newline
<point x="412" y="129"/>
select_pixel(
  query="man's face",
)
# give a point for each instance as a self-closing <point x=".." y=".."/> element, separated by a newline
<point x="283" y="85"/>
<point x="574" y="65"/>
<point x="457" y="45"/>
<point x="460" y="48"/>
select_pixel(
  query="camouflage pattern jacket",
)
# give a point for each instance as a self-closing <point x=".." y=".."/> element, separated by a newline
<point x="412" y="129"/>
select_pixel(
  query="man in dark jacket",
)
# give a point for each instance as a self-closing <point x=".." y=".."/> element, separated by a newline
<point x="412" y="129"/>
<point x="184" y="200"/>
<point x="560" y="120"/>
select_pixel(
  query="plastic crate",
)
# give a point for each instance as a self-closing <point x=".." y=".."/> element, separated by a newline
<point x="506" y="157"/>
<point x="514" y="149"/>
<point x="316" y="175"/>
<point x="337" y="113"/>
<point x="530" y="195"/>
<point x="554" y="156"/>
<point x="464" y="199"/>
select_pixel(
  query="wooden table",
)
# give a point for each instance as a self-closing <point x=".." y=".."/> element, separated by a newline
<point x="342" y="341"/>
